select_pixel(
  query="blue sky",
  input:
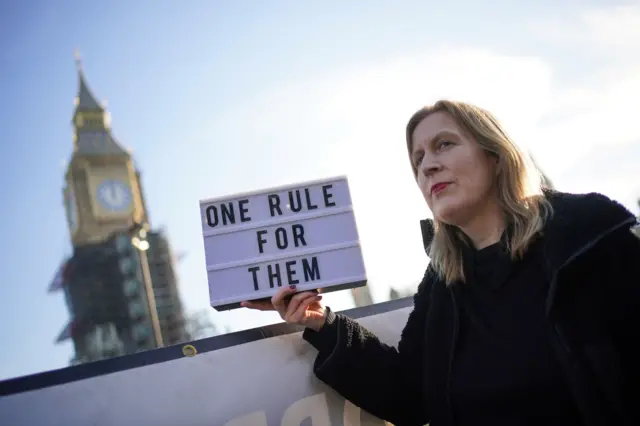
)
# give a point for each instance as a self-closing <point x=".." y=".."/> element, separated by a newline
<point x="220" y="97"/>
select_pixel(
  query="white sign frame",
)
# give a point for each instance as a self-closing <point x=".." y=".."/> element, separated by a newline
<point x="256" y="240"/>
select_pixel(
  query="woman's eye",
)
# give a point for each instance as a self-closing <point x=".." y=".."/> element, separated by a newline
<point x="417" y="160"/>
<point x="444" y="144"/>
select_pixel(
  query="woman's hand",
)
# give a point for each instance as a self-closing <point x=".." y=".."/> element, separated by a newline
<point x="303" y="308"/>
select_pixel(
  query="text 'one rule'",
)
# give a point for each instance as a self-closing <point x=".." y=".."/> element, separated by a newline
<point x="266" y="206"/>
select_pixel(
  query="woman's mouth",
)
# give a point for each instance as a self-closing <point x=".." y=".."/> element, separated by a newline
<point x="439" y="187"/>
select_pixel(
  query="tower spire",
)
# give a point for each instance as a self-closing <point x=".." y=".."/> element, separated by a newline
<point x="91" y="125"/>
<point x="85" y="99"/>
<point x="78" y="57"/>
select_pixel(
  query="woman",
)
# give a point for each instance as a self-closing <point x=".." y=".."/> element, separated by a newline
<point x="528" y="312"/>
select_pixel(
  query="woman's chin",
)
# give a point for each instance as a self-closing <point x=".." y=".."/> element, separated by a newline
<point x="445" y="213"/>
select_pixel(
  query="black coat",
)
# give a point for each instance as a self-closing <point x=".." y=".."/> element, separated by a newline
<point x="593" y="306"/>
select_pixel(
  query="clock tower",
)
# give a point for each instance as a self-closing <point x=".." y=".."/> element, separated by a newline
<point x="102" y="190"/>
<point x="120" y="283"/>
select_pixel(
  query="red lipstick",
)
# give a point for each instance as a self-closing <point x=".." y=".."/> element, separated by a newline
<point x="438" y="187"/>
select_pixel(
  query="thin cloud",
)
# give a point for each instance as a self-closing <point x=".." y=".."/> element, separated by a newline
<point x="611" y="30"/>
<point x="597" y="108"/>
<point x="352" y="122"/>
<point x="609" y="169"/>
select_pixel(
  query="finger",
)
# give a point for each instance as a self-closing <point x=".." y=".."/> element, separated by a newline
<point x="301" y="313"/>
<point x="294" y="302"/>
<point x="260" y="305"/>
<point x="292" y="307"/>
<point x="278" y="299"/>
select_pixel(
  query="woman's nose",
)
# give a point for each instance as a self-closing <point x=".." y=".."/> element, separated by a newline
<point x="430" y="166"/>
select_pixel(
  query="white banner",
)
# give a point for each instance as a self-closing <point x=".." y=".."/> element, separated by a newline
<point x="265" y="382"/>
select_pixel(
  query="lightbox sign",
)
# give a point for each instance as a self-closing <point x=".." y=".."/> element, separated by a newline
<point x="303" y="234"/>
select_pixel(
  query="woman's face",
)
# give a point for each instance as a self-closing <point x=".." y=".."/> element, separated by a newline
<point x="456" y="176"/>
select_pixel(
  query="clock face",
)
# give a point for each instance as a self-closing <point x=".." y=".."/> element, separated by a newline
<point x="114" y="195"/>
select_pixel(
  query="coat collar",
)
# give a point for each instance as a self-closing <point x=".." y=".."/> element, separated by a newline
<point x="577" y="220"/>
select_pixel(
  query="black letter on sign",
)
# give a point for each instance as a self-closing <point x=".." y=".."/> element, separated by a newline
<point x="298" y="234"/>
<point x="291" y="272"/>
<point x="292" y="203"/>
<point x="281" y="238"/>
<point x="274" y="204"/>
<point x="310" y="205"/>
<point x="254" y="270"/>
<point x="227" y="214"/>
<point x="311" y="273"/>
<point x="212" y="216"/>
<point x="261" y="241"/>
<point x="328" y="196"/>
<point x="244" y="210"/>
<point x="275" y="275"/>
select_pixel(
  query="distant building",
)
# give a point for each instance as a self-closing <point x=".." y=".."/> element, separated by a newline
<point x="399" y="294"/>
<point x="165" y="288"/>
<point x="105" y="293"/>
<point x="361" y="296"/>
<point x="120" y="284"/>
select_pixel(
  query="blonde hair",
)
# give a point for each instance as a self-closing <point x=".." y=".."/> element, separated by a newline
<point x="519" y="188"/>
